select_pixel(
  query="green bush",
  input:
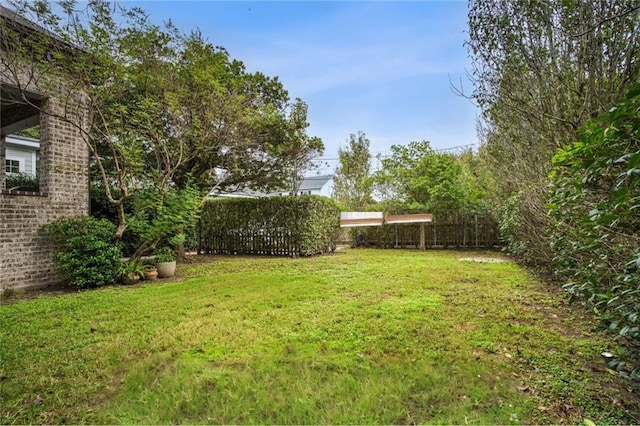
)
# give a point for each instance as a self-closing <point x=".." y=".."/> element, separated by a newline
<point x="86" y="252"/>
<point x="512" y="228"/>
<point x="305" y="225"/>
<point x="164" y="254"/>
<point x="594" y="211"/>
<point x="22" y="182"/>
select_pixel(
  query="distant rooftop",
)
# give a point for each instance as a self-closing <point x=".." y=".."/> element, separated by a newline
<point x="309" y="183"/>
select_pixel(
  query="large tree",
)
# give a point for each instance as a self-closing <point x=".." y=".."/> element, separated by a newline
<point x="417" y="178"/>
<point x="541" y="70"/>
<point x="352" y="183"/>
<point x="166" y="110"/>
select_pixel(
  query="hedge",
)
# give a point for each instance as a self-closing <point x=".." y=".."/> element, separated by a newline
<point x="290" y="226"/>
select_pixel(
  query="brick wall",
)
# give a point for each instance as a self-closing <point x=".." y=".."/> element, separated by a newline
<point x="26" y="259"/>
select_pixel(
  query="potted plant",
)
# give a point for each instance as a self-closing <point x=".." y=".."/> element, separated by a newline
<point x="132" y="272"/>
<point x="150" y="273"/>
<point x="165" y="262"/>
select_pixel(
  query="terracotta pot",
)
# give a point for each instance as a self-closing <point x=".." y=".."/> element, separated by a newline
<point x="166" y="269"/>
<point x="150" y="274"/>
<point x="128" y="279"/>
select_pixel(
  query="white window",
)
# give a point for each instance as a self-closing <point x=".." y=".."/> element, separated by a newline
<point x="12" y="166"/>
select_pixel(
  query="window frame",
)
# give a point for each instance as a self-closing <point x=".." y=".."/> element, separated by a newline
<point x="20" y="162"/>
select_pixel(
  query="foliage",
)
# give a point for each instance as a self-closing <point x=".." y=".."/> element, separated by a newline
<point x="22" y="182"/>
<point x="86" y="252"/>
<point x="352" y="184"/>
<point x="161" y="217"/>
<point x="297" y="148"/>
<point x="164" y="254"/>
<point x="511" y="226"/>
<point x="310" y="222"/>
<point x="30" y="132"/>
<point x="133" y="268"/>
<point x="167" y="110"/>
<point x="242" y="130"/>
<point x="595" y="222"/>
<point x="360" y="337"/>
<point x="540" y="71"/>
<point x="521" y="220"/>
<point x="424" y="180"/>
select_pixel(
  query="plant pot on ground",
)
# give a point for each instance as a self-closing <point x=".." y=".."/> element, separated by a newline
<point x="132" y="272"/>
<point x="165" y="262"/>
<point x="150" y="273"/>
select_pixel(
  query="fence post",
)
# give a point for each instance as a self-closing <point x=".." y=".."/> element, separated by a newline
<point x="435" y="231"/>
<point x="464" y="230"/>
<point x="200" y="236"/>
<point x="422" y="242"/>
<point x="476" y="220"/>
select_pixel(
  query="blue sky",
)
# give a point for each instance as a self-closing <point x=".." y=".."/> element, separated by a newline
<point x="381" y="67"/>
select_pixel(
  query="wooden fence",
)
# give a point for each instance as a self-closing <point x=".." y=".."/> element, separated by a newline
<point x="254" y="243"/>
<point x="446" y="231"/>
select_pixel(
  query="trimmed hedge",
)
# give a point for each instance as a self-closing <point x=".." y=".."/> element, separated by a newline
<point x="292" y="226"/>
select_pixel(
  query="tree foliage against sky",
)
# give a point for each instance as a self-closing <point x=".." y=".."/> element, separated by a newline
<point x="352" y="183"/>
<point x="424" y="180"/>
<point x="166" y="109"/>
<point x="561" y="78"/>
<point x="541" y="70"/>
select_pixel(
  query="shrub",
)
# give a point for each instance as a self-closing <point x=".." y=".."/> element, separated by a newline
<point x="595" y="222"/>
<point x="22" y="182"/>
<point x="86" y="252"/>
<point x="304" y="226"/>
<point x="133" y="268"/>
<point x="164" y="254"/>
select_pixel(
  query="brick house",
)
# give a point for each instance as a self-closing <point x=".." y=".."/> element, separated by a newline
<point x="37" y="92"/>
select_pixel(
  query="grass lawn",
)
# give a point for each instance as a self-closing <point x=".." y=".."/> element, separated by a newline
<point x="362" y="336"/>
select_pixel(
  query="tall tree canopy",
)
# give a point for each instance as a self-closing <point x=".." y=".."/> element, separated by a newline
<point x="167" y="110"/>
<point x="424" y="180"/>
<point x="549" y="74"/>
<point x="352" y="184"/>
<point x="541" y="70"/>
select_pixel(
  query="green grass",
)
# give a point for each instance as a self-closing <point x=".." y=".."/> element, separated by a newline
<point x="362" y="337"/>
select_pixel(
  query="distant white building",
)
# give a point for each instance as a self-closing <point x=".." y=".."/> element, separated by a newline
<point x="310" y="185"/>
<point x="22" y="155"/>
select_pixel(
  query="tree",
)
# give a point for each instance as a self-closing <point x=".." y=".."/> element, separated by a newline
<point x="541" y="70"/>
<point x="241" y="127"/>
<point x="352" y="183"/>
<point x="166" y="110"/>
<point x="422" y="179"/>
<point x="298" y="148"/>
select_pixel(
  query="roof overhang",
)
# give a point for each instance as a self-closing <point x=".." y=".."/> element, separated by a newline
<point x="18" y="110"/>
<point x="357" y="219"/>
<point x="408" y="218"/>
<point x="353" y="219"/>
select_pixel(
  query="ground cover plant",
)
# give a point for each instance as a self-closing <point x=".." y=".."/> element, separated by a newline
<point x="362" y="336"/>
